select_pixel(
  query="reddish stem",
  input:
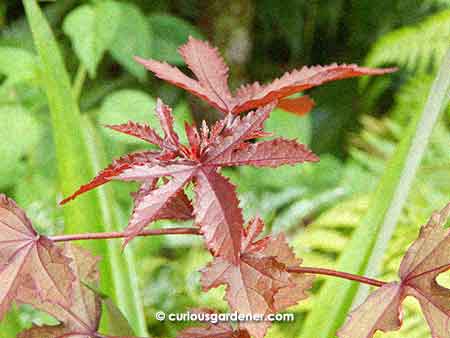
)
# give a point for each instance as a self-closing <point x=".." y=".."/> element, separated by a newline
<point x="111" y="235"/>
<point x="196" y="231"/>
<point x="339" y="274"/>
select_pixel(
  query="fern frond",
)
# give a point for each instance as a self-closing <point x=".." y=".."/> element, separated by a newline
<point x="417" y="47"/>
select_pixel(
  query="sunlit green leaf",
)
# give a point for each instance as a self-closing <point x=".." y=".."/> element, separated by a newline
<point x="133" y="38"/>
<point x="92" y="29"/>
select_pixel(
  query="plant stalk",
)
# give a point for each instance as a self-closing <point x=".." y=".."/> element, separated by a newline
<point x="338" y="274"/>
<point x="196" y="231"/>
<point x="116" y="234"/>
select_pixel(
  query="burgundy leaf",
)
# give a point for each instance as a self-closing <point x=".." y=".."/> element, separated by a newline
<point x="241" y="130"/>
<point x="141" y="131"/>
<point x="255" y="95"/>
<point x="165" y="116"/>
<point x="148" y="208"/>
<point x="27" y="256"/>
<point x="179" y="208"/>
<point x="211" y="84"/>
<point x="80" y="319"/>
<point x="299" y="106"/>
<point x="272" y="153"/>
<point x="218" y="214"/>
<point x="173" y="75"/>
<point x="381" y="311"/>
<point x="114" y="170"/>
<point x="209" y="68"/>
<point x="426" y="258"/>
<point x="149" y="171"/>
<point x="260" y="283"/>
<point x="57" y="331"/>
<point x="217" y="209"/>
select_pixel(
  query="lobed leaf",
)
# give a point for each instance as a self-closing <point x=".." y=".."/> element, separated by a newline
<point x="211" y="83"/>
<point x="260" y="283"/>
<point x="218" y="214"/>
<point x="26" y="257"/>
<point x="425" y="259"/>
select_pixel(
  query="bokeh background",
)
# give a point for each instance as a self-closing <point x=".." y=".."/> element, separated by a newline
<point x="354" y="127"/>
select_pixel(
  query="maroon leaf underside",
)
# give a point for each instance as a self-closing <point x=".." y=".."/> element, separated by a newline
<point x="260" y="283"/>
<point x="27" y="257"/>
<point x="211" y="83"/>
<point x="426" y="258"/>
<point x="299" y="106"/>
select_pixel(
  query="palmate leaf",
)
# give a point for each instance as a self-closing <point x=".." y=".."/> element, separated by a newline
<point x="81" y="318"/>
<point x="27" y="257"/>
<point x="211" y="83"/>
<point x="260" y="283"/>
<point x="426" y="258"/>
<point x="216" y="209"/>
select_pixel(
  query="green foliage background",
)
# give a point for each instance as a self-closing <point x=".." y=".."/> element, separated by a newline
<point x="355" y="126"/>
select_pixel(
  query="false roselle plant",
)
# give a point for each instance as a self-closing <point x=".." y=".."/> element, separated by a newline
<point x="261" y="275"/>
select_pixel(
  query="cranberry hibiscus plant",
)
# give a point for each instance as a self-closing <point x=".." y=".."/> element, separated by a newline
<point x="262" y="276"/>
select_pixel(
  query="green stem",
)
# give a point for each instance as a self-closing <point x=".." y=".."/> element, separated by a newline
<point x="78" y="82"/>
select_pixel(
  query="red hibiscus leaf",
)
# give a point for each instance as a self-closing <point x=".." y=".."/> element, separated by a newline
<point x="211" y="84"/>
<point x="139" y="130"/>
<point x="80" y="319"/>
<point x="218" y="214"/>
<point x="221" y="330"/>
<point x="273" y="153"/>
<point x="148" y="208"/>
<point x="57" y="331"/>
<point x="258" y="284"/>
<point x="114" y="170"/>
<point x="296" y="81"/>
<point x="210" y="69"/>
<point x="26" y="256"/>
<point x="179" y="208"/>
<point x="381" y="311"/>
<point x="299" y="106"/>
<point x="148" y="171"/>
<point x="173" y="75"/>
<point x="241" y="130"/>
<point x="426" y="258"/>
<point x="165" y="116"/>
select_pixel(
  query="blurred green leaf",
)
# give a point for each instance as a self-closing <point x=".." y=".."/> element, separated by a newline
<point x="10" y="326"/>
<point x="92" y="29"/>
<point x="18" y="65"/>
<point x="288" y="125"/>
<point x="129" y="104"/>
<point x="22" y="132"/>
<point x="169" y="32"/>
<point x="133" y="38"/>
<point x="123" y="106"/>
